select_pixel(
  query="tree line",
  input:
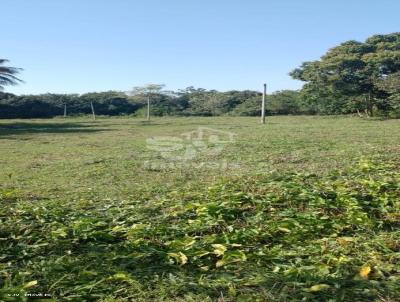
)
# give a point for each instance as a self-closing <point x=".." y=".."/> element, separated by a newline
<point x="352" y="78"/>
<point x="187" y="102"/>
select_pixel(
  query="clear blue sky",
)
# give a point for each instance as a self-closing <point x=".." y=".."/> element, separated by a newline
<point x="97" y="45"/>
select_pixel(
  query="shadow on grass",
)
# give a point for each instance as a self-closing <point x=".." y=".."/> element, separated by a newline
<point x="21" y="128"/>
<point x="377" y="119"/>
<point x="152" y="123"/>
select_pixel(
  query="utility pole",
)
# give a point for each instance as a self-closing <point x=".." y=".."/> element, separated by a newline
<point x="93" y="113"/>
<point x="65" y="110"/>
<point x="148" y="107"/>
<point x="263" y="104"/>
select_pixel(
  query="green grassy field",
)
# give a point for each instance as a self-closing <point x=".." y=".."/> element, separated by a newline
<point x="300" y="209"/>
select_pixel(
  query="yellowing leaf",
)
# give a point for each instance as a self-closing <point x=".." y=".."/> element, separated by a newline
<point x="30" y="284"/>
<point x="220" y="263"/>
<point x="188" y="245"/>
<point x="179" y="257"/>
<point x="285" y="230"/>
<point x="117" y="228"/>
<point x="120" y="276"/>
<point x="318" y="287"/>
<point x="364" y="271"/>
<point x="344" y="240"/>
<point x="59" y="233"/>
<point x="183" y="258"/>
<point x="219" y="249"/>
<point x="201" y="254"/>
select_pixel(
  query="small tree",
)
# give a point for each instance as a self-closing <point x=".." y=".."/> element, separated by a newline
<point x="148" y="91"/>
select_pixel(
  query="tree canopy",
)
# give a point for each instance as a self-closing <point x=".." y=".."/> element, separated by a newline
<point x="361" y="72"/>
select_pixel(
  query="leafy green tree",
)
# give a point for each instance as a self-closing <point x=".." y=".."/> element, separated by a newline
<point x="316" y="99"/>
<point x="8" y="74"/>
<point x="391" y="85"/>
<point x="250" y="107"/>
<point x="284" y="102"/>
<point x="354" y="70"/>
<point x="279" y="102"/>
<point x="211" y="102"/>
<point x="149" y="92"/>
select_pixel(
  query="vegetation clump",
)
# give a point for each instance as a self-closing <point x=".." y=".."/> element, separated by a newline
<point x="276" y="236"/>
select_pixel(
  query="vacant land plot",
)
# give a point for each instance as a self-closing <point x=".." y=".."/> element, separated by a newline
<point x="200" y="209"/>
